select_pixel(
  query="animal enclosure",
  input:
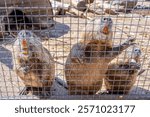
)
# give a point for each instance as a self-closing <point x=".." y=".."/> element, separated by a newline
<point x="69" y="56"/>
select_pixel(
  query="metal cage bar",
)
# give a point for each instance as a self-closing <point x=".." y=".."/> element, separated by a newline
<point x="69" y="59"/>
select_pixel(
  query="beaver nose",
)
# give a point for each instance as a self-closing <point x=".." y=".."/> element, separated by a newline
<point x="106" y="30"/>
<point x="24" y="43"/>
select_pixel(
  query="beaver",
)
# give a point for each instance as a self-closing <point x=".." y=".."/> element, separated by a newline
<point x="121" y="74"/>
<point x="33" y="64"/>
<point x="88" y="59"/>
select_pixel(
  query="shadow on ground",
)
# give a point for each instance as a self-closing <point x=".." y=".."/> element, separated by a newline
<point x="139" y="91"/>
<point x="57" y="31"/>
<point x="6" y="57"/>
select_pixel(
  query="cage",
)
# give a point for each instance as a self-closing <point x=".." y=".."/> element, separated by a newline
<point x="59" y="49"/>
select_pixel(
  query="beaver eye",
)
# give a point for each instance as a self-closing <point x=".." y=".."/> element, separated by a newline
<point x="104" y="19"/>
<point x="137" y="50"/>
<point x="28" y="34"/>
<point x="109" y="19"/>
<point x="21" y="34"/>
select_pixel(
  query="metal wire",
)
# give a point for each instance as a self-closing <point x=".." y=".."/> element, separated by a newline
<point x="60" y="35"/>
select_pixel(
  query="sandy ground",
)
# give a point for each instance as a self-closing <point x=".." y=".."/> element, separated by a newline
<point x="63" y="36"/>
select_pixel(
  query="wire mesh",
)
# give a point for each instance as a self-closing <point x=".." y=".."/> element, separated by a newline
<point x="56" y="49"/>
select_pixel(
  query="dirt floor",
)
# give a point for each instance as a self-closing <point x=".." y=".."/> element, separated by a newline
<point x="61" y="39"/>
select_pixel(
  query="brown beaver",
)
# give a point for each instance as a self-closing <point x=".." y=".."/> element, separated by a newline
<point x="121" y="74"/>
<point x="33" y="64"/>
<point x="88" y="60"/>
